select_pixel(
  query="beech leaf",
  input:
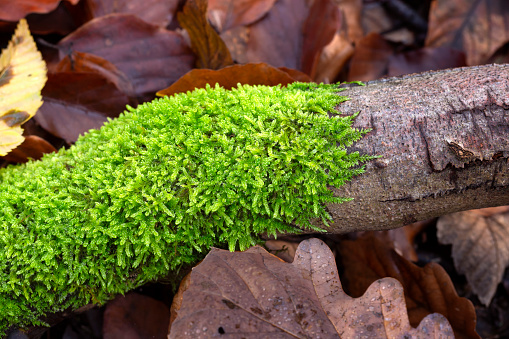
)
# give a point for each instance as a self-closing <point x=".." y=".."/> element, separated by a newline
<point x="370" y="59"/>
<point x="210" y="49"/>
<point x="33" y="147"/>
<point x="277" y="38"/>
<point x="254" y="294"/>
<point x="227" y="14"/>
<point x="319" y="29"/>
<point x="16" y="10"/>
<point x="156" y="12"/>
<point x="22" y="76"/>
<point x="75" y="102"/>
<point x="229" y="77"/>
<point x="152" y="57"/>
<point x="480" y="248"/>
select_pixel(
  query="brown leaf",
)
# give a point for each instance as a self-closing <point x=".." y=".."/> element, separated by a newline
<point x="283" y="249"/>
<point x="375" y="19"/>
<point x="425" y="59"/>
<point x="352" y="13"/>
<point x="236" y="40"/>
<point x="152" y="57"/>
<point x="277" y="39"/>
<point x="210" y="49"/>
<point x="475" y="27"/>
<point x="480" y="248"/>
<point x="370" y="59"/>
<point x="255" y="294"/>
<point x="89" y="90"/>
<point x="63" y="20"/>
<point x="427" y="290"/>
<point x="488" y="212"/>
<point x="77" y="102"/>
<point x="295" y="74"/>
<point x="229" y="77"/>
<point x="156" y="12"/>
<point x="227" y="14"/>
<point x="178" y="298"/>
<point x="33" y="147"/>
<point x="400" y="241"/>
<point x="88" y="63"/>
<point x="333" y="58"/>
<point x="135" y="316"/>
<point x="16" y="10"/>
<point x="319" y="29"/>
<point x="402" y="238"/>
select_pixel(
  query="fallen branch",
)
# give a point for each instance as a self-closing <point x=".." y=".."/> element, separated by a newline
<point x="444" y="141"/>
<point x="442" y="137"/>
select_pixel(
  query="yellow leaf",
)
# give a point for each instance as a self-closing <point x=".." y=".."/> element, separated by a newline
<point x="22" y="77"/>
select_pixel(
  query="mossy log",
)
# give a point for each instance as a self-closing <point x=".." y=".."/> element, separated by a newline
<point x="156" y="188"/>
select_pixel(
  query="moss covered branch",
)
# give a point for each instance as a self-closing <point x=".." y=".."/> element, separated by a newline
<point x="157" y="187"/>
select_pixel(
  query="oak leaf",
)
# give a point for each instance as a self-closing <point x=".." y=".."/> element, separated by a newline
<point x="255" y="294"/>
<point x="428" y="289"/>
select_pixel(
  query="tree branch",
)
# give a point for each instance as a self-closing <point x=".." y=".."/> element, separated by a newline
<point x="444" y="141"/>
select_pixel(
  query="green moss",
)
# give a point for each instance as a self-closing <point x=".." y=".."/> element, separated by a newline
<point x="157" y="187"/>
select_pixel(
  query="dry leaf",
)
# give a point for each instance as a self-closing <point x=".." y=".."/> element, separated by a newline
<point x="156" y="12"/>
<point x="370" y="59"/>
<point x="425" y="59"/>
<point x="230" y="77"/>
<point x="75" y="102"/>
<point x="135" y="316"/>
<point x="478" y="28"/>
<point x="319" y="29"/>
<point x="480" y="247"/>
<point x="33" y="147"/>
<point x="427" y="290"/>
<point x="210" y="49"/>
<point x="16" y="10"/>
<point x="152" y="57"/>
<point x="352" y="10"/>
<point x="88" y="63"/>
<point x="236" y="40"/>
<point x="227" y="14"/>
<point x="334" y="56"/>
<point x="283" y="249"/>
<point x="374" y="18"/>
<point x="22" y="76"/>
<point x="277" y="38"/>
<point x="254" y="294"/>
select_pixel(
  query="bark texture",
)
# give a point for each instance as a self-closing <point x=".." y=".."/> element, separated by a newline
<point x="444" y="141"/>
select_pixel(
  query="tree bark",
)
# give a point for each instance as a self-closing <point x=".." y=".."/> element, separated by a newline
<point x="443" y="138"/>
